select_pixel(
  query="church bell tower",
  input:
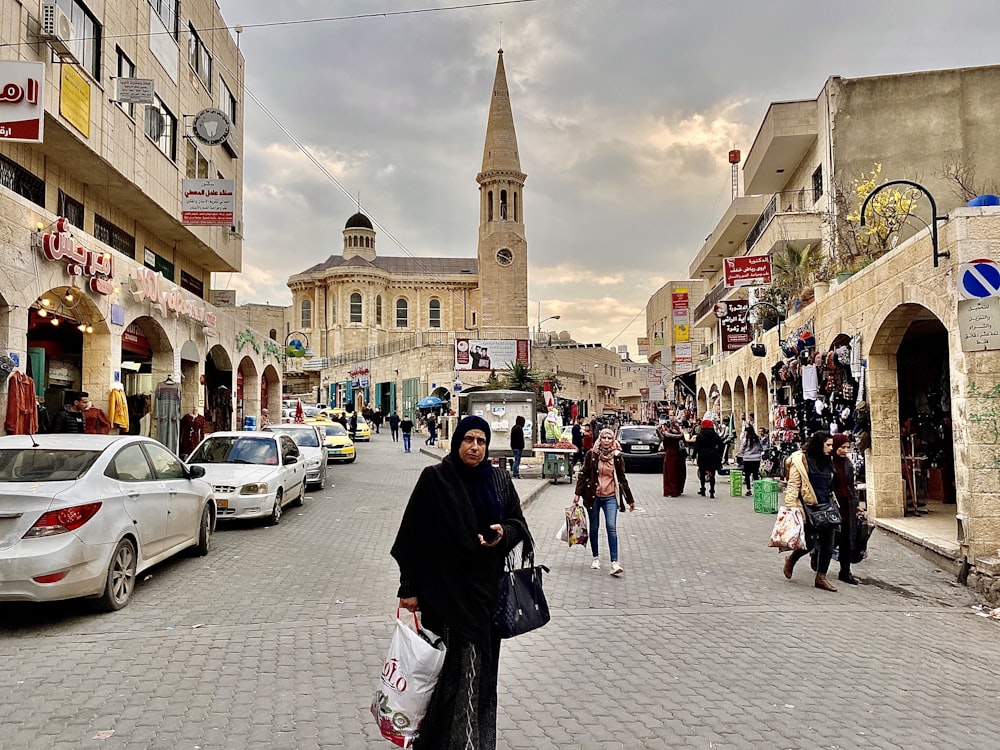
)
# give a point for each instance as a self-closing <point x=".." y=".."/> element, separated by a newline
<point x="503" y="250"/>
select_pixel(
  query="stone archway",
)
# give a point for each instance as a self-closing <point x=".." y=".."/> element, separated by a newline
<point x="147" y="359"/>
<point x="762" y="409"/>
<point x="219" y="389"/>
<point x="270" y="393"/>
<point x="907" y="322"/>
<point x="247" y="394"/>
<point x="726" y="402"/>
<point x="702" y="404"/>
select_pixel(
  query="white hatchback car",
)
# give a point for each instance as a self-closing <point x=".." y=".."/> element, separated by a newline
<point x="253" y="474"/>
<point x="83" y="515"/>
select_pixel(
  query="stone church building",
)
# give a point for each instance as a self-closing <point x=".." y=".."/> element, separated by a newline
<point x="381" y="330"/>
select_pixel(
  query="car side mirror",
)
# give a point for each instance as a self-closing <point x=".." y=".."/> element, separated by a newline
<point x="291" y="460"/>
<point x="196" y="472"/>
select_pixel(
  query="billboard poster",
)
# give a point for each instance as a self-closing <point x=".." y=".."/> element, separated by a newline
<point x="22" y="103"/>
<point x="734" y="328"/>
<point x="483" y="355"/>
<point x="747" y="271"/>
<point x="643" y="344"/>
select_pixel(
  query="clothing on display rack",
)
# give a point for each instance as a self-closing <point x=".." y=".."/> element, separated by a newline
<point x="22" y="408"/>
<point x="222" y="409"/>
<point x="168" y="413"/>
<point x="192" y="431"/>
<point x="96" y="422"/>
<point x="118" y="408"/>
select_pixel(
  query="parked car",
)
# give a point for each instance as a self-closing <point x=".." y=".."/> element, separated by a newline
<point x="339" y="446"/>
<point x="83" y="515"/>
<point x="364" y="431"/>
<point x="640" y="446"/>
<point x="253" y="474"/>
<point x="312" y="447"/>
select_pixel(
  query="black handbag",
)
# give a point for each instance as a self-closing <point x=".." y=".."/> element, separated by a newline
<point x="521" y="605"/>
<point x="822" y="515"/>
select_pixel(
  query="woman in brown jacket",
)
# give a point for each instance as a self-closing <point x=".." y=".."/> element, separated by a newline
<point x="810" y="480"/>
<point x="603" y="486"/>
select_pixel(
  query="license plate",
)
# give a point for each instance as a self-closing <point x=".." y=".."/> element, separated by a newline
<point x="222" y="504"/>
<point x="640" y="449"/>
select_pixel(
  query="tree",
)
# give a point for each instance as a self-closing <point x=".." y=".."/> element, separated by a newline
<point x="794" y="269"/>
<point x="520" y="377"/>
<point x="962" y="179"/>
<point x="855" y="246"/>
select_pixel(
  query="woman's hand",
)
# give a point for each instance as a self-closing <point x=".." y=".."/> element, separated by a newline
<point x="409" y="603"/>
<point x="631" y="507"/>
<point x="576" y="499"/>
<point x="496" y="540"/>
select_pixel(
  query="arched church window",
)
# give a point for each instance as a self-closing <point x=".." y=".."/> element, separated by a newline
<point x="333" y="309"/>
<point x="515" y="206"/>
<point x="434" y="313"/>
<point x="378" y="310"/>
<point x="402" y="313"/>
<point x="273" y="335"/>
<point x="489" y="206"/>
<point x="356" y="308"/>
<point x="306" y="314"/>
<point x="503" y="205"/>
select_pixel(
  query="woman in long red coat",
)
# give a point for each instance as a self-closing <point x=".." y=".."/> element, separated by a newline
<point x="674" y="467"/>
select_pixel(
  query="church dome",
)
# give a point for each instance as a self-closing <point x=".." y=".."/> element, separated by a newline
<point x="359" y="221"/>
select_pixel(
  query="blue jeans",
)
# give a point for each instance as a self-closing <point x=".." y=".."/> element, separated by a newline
<point x="517" y="461"/>
<point x="610" y="506"/>
<point x="406" y="442"/>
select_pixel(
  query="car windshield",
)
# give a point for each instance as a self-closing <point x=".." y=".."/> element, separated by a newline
<point x="334" y="430"/>
<point x="302" y="437"/>
<point x="236" y="450"/>
<point x="44" y="464"/>
<point x="638" y="433"/>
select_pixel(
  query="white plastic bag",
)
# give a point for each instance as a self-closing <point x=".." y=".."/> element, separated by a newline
<point x="408" y="679"/>
<point x="561" y="534"/>
<point x="789" y="531"/>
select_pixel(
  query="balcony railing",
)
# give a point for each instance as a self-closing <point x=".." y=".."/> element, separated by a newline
<point x="785" y="202"/>
<point x="705" y="306"/>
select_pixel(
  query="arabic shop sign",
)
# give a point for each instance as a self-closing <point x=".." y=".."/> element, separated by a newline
<point x="148" y="284"/>
<point x="22" y="101"/>
<point x="80" y="261"/>
<point x="248" y="337"/>
<point x="208" y="202"/>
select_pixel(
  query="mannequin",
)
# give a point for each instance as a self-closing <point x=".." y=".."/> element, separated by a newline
<point x="192" y="431"/>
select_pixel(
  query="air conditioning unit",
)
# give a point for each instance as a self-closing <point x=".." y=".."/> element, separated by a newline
<point x="58" y="31"/>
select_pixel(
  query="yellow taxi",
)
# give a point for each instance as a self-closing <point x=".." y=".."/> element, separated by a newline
<point x="364" y="431"/>
<point x="339" y="446"/>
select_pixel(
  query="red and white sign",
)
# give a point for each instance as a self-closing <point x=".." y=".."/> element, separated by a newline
<point x="79" y="261"/>
<point x="208" y="202"/>
<point x="22" y="101"/>
<point x="748" y="270"/>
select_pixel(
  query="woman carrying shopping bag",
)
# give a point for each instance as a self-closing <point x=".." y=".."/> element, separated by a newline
<point x="603" y="486"/>
<point x="462" y="519"/>
<point x="810" y="482"/>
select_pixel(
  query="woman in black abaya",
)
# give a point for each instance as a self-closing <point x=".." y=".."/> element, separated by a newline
<point x="461" y="520"/>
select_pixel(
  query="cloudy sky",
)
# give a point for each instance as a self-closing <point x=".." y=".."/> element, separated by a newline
<point x="625" y="112"/>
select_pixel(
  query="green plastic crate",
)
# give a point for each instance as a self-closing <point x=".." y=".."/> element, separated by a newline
<point x="765" y="496"/>
<point x="735" y="483"/>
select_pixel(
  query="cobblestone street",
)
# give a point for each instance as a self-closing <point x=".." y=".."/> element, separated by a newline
<point x="276" y="638"/>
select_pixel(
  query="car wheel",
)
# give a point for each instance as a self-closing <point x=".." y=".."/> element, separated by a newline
<point x="120" y="581"/>
<point x="204" y="533"/>
<point x="350" y="460"/>
<point x="297" y="502"/>
<point x="275" y="517"/>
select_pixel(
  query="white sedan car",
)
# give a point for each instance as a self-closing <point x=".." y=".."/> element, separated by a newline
<point x="253" y="474"/>
<point x="83" y="515"/>
<point x="311" y="447"/>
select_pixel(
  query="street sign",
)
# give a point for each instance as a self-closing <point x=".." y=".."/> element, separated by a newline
<point x="134" y="90"/>
<point x="979" y="279"/>
<point x="211" y="126"/>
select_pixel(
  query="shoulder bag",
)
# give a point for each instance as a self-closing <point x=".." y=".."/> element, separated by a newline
<point x="822" y="515"/>
<point x="521" y="605"/>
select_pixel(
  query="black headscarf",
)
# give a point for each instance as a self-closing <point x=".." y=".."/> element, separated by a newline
<point x="478" y="480"/>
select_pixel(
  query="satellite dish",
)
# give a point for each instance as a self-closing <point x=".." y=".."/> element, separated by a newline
<point x="154" y="122"/>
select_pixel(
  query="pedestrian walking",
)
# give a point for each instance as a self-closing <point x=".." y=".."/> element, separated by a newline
<point x="517" y="445"/>
<point x="406" y="427"/>
<point x="462" y="519"/>
<point x="354" y="426"/>
<point x="587" y="442"/>
<point x="394" y="426"/>
<point x="431" y="429"/>
<point x="810" y="480"/>
<point x="577" y="440"/>
<point x="70" y="417"/>
<point x="708" y="447"/>
<point x="377" y="419"/>
<point x="750" y="454"/>
<point x="847" y="497"/>
<point x="604" y="488"/>
<point x="674" y="468"/>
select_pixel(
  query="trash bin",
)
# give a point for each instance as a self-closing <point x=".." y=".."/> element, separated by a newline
<point x="765" y="496"/>
<point x="735" y="483"/>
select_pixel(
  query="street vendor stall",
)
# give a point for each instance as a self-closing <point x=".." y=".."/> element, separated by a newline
<point x="556" y="462"/>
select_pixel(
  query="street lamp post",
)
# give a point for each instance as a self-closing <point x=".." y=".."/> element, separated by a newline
<point x="540" y="321"/>
<point x="759" y="350"/>
<point x="934" y="217"/>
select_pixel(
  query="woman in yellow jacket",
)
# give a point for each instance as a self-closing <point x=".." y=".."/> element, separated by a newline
<point x="810" y="480"/>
